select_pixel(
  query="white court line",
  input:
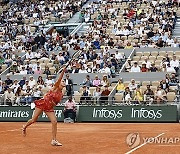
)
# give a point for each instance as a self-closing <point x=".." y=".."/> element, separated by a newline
<point x="143" y="144"/>
<point x="12" y="130"/>
<point x="168" y="145"/>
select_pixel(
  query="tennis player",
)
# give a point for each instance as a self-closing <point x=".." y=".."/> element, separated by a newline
<point x="46" y="104"/>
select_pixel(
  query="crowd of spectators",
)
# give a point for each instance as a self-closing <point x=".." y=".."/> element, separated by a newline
<point x="135" y="24"/>
<point x="135" y="93"/>
<point x="21" y="33"/>
<point x="169" y="64"/>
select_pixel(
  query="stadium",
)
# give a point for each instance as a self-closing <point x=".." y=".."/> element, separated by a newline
<point x="103" y="74"/>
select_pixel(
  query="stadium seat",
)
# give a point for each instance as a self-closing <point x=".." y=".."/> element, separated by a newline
<point x="145" y="83"/>
<point x="118" y="97"/>
<point x="155" y="83"/>
<point x="171" y="96"/>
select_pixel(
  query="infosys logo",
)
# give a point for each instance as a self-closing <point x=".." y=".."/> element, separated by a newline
<point x="146" y="113"/>
<point x="107" y="113"/>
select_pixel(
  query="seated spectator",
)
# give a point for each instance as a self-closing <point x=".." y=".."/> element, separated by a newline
<point x="40" y="80"/>
<point x="74" y="69"/>
<point x="128" y="46"/>
<point x="32" y="82"/>
<point x="144" y="68"/>
<point x="160" y="95"/>
<point x="105" y="69"/>
<point x="19" y="95"/>
<point x="120" y="86"/>
<point x="164" y="85"/>
<point x="70" y="109"/>
<point x="128" y="65"/>
<point x="96" y="81"/>
<point x="175" y="63"/>
<point x="87" y="82"/>
<point x="15" y="86"/>
<point x="14" y="68"/>
<point x="23" y="71"/>
<point x="105" y="81"/>
<point x="8" y="81"/>
<point x="104" y="96"/>
<point x="148" y="64"/>
<point x="37" y="93"/>
<point x="89" y="68"/>
<point x="163" y="68"/>
<point x="85" y="96"/>
<point x="38" y="71"/>
<point x="96" y="94"/>
<point x="47" y="71"/>
<point x="148" y="95"/>
<point x="173" y="80"/>
<point x="138" y="97"/>
<point x="132" y="85"/>
<point x="135" y="68"/>
<point x="9" y="97"/>
<point x="113" y="71"/>
<point x="127" y="95"/>
<point x="28" y="95"/>
<point x="82" y="69"/>
<point x="49" y="81"/>
<point x="170" y="69"/>
<point x="153" y="68"/>
<point x="96" y="44"/>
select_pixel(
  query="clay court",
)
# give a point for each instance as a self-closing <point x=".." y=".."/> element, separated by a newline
<point x="86" y="138"/>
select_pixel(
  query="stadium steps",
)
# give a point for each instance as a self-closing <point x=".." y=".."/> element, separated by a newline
<point x="83" y="30"/>
<point x="176" y="32"/>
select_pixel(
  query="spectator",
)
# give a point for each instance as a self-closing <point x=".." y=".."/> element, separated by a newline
<point x="22" y="81"/>
<point x="15" y="86"/>
<point x="173" y="80"/>
<point x="128" y="65"/>
<point x="96" y="94"/>
<point x="120" y="86"/>
<point x="19" y="95"/>
<point x="132" y="85"/>
<point x="127" y="95"/>
<point x="104" y="95"/>
<point x="105" y="81"/>
<point x="153" y="68"/>
<point x="96" y="81"/>
<point x="148" y="95"/>
<point x="175" y="63"/>
<point x="144" y="68"/>
<point x="87" y="82"/>
<point x="135" y="68"/>
<point x="23" y="71"/>
<point x="32" y="82"/>
<point x="47" y="71"/>
<point x="138" y="95"/>
<point x="85" y="96"/>
<point x="8" y="81"/>
<point x="69" y="85"/>
<point x="9" y="97"/>
<point x="170" y="69"/>
<point x="38" y="71"/>
<point x="160" y="95"/>
<point x="70" y="108"/>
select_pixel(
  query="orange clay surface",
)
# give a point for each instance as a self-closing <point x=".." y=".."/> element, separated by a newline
<point x="85" y="138"/>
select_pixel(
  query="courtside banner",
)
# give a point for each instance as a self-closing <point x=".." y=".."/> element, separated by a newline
<point x="129" y="113"/>
<point x="25" y="113"/>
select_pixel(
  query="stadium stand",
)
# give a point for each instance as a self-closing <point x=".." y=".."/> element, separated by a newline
<point x="122" y="38"/>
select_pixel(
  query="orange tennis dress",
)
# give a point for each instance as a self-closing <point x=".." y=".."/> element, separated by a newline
<point x="51" y="99"/>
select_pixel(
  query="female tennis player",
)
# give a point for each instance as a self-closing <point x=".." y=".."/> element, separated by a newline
<point x="46" y="104"/>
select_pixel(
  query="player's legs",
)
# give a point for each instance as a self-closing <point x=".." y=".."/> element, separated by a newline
<point x="53" y="120"/>
<point x="34" y="118"/>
